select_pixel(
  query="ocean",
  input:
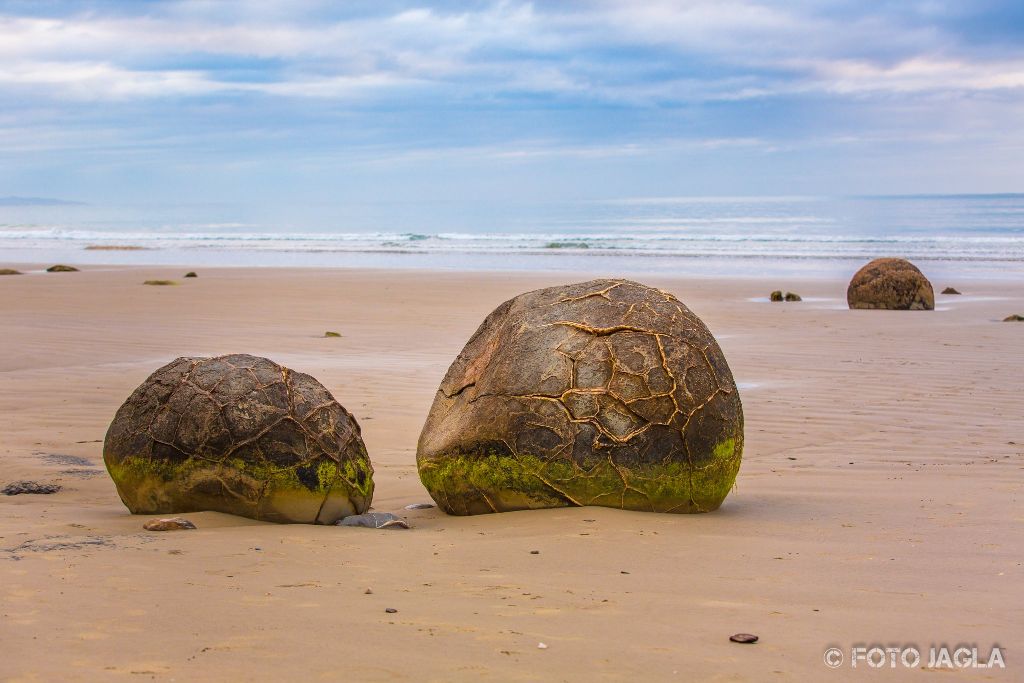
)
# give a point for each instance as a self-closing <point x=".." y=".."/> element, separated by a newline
<point x="966" y="236"/>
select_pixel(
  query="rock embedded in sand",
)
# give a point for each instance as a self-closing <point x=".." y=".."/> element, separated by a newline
<point x="893" y="284"/>
<point x="793" y="296"/>
<point x="375" y="520"/>
<point x="191" y="273"/>
<point x="242" y="435"/>
<point x="776" y="295"/>
<point x="9" y="271"/>
<point x="60" y="268"/>
<point x="29" y="487"/>
<point x="1015" y="318"/>
<point x="950" y="290"/>
<point x="168" y="524"/>
<point x="160" y="283"/>
<point x="330" y="333"/>
<point x="606" y="392"/>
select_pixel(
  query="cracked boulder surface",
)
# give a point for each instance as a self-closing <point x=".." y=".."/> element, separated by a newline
<point x="606" y="392"/>
<point x="894" y="284"/>
<point x="238" y="434"/>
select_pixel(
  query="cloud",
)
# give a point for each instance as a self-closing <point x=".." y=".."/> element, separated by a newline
<point x="605" y="84"/>
<point x="659" y="51"/>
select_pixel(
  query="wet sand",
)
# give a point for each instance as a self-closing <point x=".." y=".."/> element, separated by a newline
<point x="881" y="497"/>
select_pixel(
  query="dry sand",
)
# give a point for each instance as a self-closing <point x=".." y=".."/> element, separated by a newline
<point x="880" y="498"/>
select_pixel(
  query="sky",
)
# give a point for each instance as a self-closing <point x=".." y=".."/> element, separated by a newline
<point x="307" y="101"/>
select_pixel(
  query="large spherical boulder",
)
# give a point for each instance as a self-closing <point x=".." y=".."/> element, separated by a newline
<point x="891" y="283"/>
<point x="598" y="393"/>
<point x="238" y="434"/>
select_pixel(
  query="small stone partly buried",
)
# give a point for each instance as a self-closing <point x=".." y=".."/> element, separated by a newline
<point x="19" y="487"/>
<point x="535" y="552"/>
<point x="746" y="638"/>
<point x="368" y="591"/>
<point x="168" y="524"/>
<point x="419" y="506"/>
<point x="542" y="646"/>
<point x="390" y="610"/>
<point x="374" y="520"/>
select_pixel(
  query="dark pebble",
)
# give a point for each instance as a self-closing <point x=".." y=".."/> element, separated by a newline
<point x="19" y="487"/>
<point x="390" y="610"/>
<point x="743" y="638"/>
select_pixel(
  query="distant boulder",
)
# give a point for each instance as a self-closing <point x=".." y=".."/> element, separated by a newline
<point x="1015" y="318"/>
<point x="61" y="268"/>
<point x="950" y="290"/>
<point x="793" y="296"/>
<point x="776" y="295"/>
<point x="893" y="284"/>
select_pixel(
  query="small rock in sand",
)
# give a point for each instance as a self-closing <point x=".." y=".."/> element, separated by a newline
<point x="160" y="283"/>
<point x="19" y="487"/>
<point x="191" y="273"/>
<point x="1015" y="318"/>
<point x="61" y="268"/>
<point x="792" y="296"/>
<point x="329" y="333"/>
<point x="950" y="290"/>
<point x="391" y="610"/>
<point x="419" y="506"/>
<point x="9" y="271"/>
<point x="375" y="520"/>
<point x="168" y="524"/>
<point x="776" y="295"/>
<point x="743" y="638"/>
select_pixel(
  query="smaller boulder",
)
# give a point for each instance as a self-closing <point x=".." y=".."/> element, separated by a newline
<point x="168" y="524"/>
<point x="329" y="333"/>
<point x="890" y="284"/>
<point x="1015" y="318"/>
<point x="793" y="296"/>
<point x="160" y="283"/>
<point x="950" y="290"/>
<point x="776" y="296"/>
<point x="191" y="273"/>
<point x="60" y="268"/>
<point x="9" y="271"/>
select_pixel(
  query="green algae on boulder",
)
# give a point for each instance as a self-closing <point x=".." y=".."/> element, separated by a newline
<point x="606" y="392"/>
<point x="242" y="435"/>
<point x="890" y="283"/>
<point x="61" y="268"/>
<point x="9" y="271"/>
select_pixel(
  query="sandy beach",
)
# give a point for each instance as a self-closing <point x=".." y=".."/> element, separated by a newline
<point x="879" y="499"/>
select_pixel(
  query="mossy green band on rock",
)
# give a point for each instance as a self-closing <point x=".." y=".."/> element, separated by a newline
<point x="475" y="484"/>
